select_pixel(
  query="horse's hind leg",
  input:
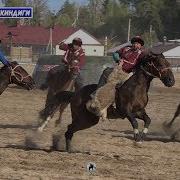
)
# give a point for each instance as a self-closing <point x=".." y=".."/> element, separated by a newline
<point x="49" y="96"/>
<point x="177" y="113"/>
<point x="61" y="110"/>
<point x="147" y="121"/>
<point x="76" y="125"/>
<point x="68" y="135"/>
<point x="134" y="124"/>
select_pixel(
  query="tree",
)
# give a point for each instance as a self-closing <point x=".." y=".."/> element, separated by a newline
<point x="14" y="3"/>
<point x="148" y="13"/>
<point x="115" y="22"/>
<point x="40" y="11"/>
<point x="66" y="14"/>
<point x="170" y="15"/>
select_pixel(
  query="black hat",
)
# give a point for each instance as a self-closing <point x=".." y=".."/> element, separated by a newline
<point x="77" y="41"/>
<point x="137" y="39"/>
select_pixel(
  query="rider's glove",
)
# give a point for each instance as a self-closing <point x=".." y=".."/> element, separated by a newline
<point x="116" y="57"/>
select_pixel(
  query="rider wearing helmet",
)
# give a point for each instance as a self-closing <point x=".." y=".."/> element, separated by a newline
<point x="74" y="57"/>
<point x="126" y="60"/>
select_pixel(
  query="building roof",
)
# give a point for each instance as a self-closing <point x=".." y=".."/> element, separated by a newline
<point x="158" y="48"/>
<point x="161" y="47"/>
<point x="114" y="49"/>
<point x="175" y="40"/>
<point x="87" y="38"/>
<point x="35" y="35"/>
<point x="173" y="53"/>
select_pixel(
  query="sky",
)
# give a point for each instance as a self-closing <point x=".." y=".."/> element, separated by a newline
<point x="55" y="5"/>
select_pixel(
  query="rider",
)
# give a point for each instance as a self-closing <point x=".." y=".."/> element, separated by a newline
<point x="75" y="58"/>
<point x="4" y="60"/>
<point x="126" y="58"/>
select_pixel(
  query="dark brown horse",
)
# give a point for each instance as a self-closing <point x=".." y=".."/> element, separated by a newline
<point x="57" y="80"/>
<point x="15" y="74"/>
<point x="131" y="98"/>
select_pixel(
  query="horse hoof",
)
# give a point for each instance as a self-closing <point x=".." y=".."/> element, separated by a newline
<point x="68" y="146"/>
<point x="40" y="129"/>
<point x="138" y="144"/>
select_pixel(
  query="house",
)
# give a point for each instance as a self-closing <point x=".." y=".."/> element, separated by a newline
<point x="171" y="51"/>
<point x="37" y="39"/>
<point x="91" y="45"/>
<point x="116" y="48"/>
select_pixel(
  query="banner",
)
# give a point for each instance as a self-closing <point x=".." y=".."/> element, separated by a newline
<point x="16" y="12"/>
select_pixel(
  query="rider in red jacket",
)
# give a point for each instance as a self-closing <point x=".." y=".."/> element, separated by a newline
<point x="127" y="59"/>
<point x="74" y="57"/>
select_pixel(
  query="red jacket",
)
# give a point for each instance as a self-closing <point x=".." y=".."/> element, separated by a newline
<point x="74" y="58"/>
<point x="130" y="58"/>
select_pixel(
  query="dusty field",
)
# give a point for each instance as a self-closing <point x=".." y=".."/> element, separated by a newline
<point x="108" y="144"/>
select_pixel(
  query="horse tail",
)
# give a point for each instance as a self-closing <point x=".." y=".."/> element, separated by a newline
<point x="45" y="85"/>
<point x="51" y="107"/>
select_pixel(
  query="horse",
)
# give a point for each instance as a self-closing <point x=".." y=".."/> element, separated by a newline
<point x="131" y="98"/>
<point x="59" y="78"/>
<point x="15" y="74"/>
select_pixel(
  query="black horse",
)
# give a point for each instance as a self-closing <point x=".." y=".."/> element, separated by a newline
<point x="131" y="98"/>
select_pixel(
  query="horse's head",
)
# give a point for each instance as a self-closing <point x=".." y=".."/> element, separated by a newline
<point x="19" y="76"/>
<point x="156" y="65"/>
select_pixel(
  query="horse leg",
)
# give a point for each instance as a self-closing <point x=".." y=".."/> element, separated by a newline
<point x="147" y="121"/>
<point x="134" y="124"/>
<point x="175" y="134"/>
<point x="47" y="114"/>
<point x="49" y="97"/>
<point x="44" y="124"/>
<point x="3" y="86"/>
<point x="61" y="110"/>
<point x="68" y="135"/>
<point x="175" y="116"/>
<point x="78" y="123"/>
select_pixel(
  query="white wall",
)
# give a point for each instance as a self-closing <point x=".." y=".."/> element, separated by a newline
<point x="93" y="50"/>
<point x="91" y="46"/>
<point x="86" y="38"/>
<point x="90" y="50"/>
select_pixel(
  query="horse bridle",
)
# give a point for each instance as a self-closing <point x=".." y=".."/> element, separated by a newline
<point x="14" y="72"/>
<point x="160" y="71"/>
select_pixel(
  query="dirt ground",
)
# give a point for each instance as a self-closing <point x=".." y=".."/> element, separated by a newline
<point x="27" y="154"/>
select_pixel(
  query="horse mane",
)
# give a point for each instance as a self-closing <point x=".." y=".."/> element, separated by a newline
<point x="151" y="55"/>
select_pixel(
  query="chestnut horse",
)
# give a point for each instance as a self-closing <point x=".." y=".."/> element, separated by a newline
<point x="15" y="74"/>
<point x="131" y="98"/>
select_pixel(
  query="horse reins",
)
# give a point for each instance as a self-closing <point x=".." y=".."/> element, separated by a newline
<point x="160" y="71"/>
<point x="13" y="74"/>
